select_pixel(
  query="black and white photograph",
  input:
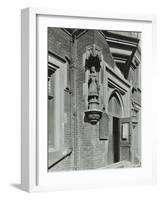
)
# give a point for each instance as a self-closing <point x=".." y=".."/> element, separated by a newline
<point x="80" y="100"/>
<point x="94" y="99"/>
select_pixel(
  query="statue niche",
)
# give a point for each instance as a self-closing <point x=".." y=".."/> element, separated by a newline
<point x="93" y="59"/>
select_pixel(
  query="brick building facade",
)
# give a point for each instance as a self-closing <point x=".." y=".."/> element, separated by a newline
<point x="94" y="99"/>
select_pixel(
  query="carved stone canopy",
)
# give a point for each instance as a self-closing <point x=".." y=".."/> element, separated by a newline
<point x="93" y="57"/>
<point x="94" y="51"/>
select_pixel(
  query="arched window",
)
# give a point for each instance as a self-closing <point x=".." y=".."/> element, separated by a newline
<point x="114" y="105"/>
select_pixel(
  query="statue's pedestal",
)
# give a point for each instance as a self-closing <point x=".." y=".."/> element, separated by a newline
<point x="93" y="115"/>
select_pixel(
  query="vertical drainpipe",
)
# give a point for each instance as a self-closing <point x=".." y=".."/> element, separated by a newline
<point x="74" y="102"/>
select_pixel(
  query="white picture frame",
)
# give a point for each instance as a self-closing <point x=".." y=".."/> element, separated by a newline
<point x="33" y="176"/>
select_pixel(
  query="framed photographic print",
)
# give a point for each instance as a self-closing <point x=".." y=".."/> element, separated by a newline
<point x="86" y="103"/>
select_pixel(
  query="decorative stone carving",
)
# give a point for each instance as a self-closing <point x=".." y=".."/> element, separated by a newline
<point x="93" y="59"/>
<point x="93" y="51"/>
<point x="93" y="115"/>
<point x="93" y="82"/>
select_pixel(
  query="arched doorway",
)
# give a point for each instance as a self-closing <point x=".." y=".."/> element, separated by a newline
<point x="114" y="105"/>
<point x="121" y="129"/>
<point x="115" y="109"/>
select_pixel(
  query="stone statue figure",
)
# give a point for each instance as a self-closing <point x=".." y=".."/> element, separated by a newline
<point x="93" y="82"/>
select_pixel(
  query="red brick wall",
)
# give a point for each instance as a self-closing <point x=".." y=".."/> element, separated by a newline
<point x="60" y="44"/>
<point x="88" y="150"/>
<point x="92" y="152"/>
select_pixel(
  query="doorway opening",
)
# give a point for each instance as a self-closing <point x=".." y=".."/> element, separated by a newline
<point x="116" y="140"/>
<point x="116" y="110"/>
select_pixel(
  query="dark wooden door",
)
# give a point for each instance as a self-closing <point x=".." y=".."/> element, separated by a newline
<point x="116" y="140"/>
